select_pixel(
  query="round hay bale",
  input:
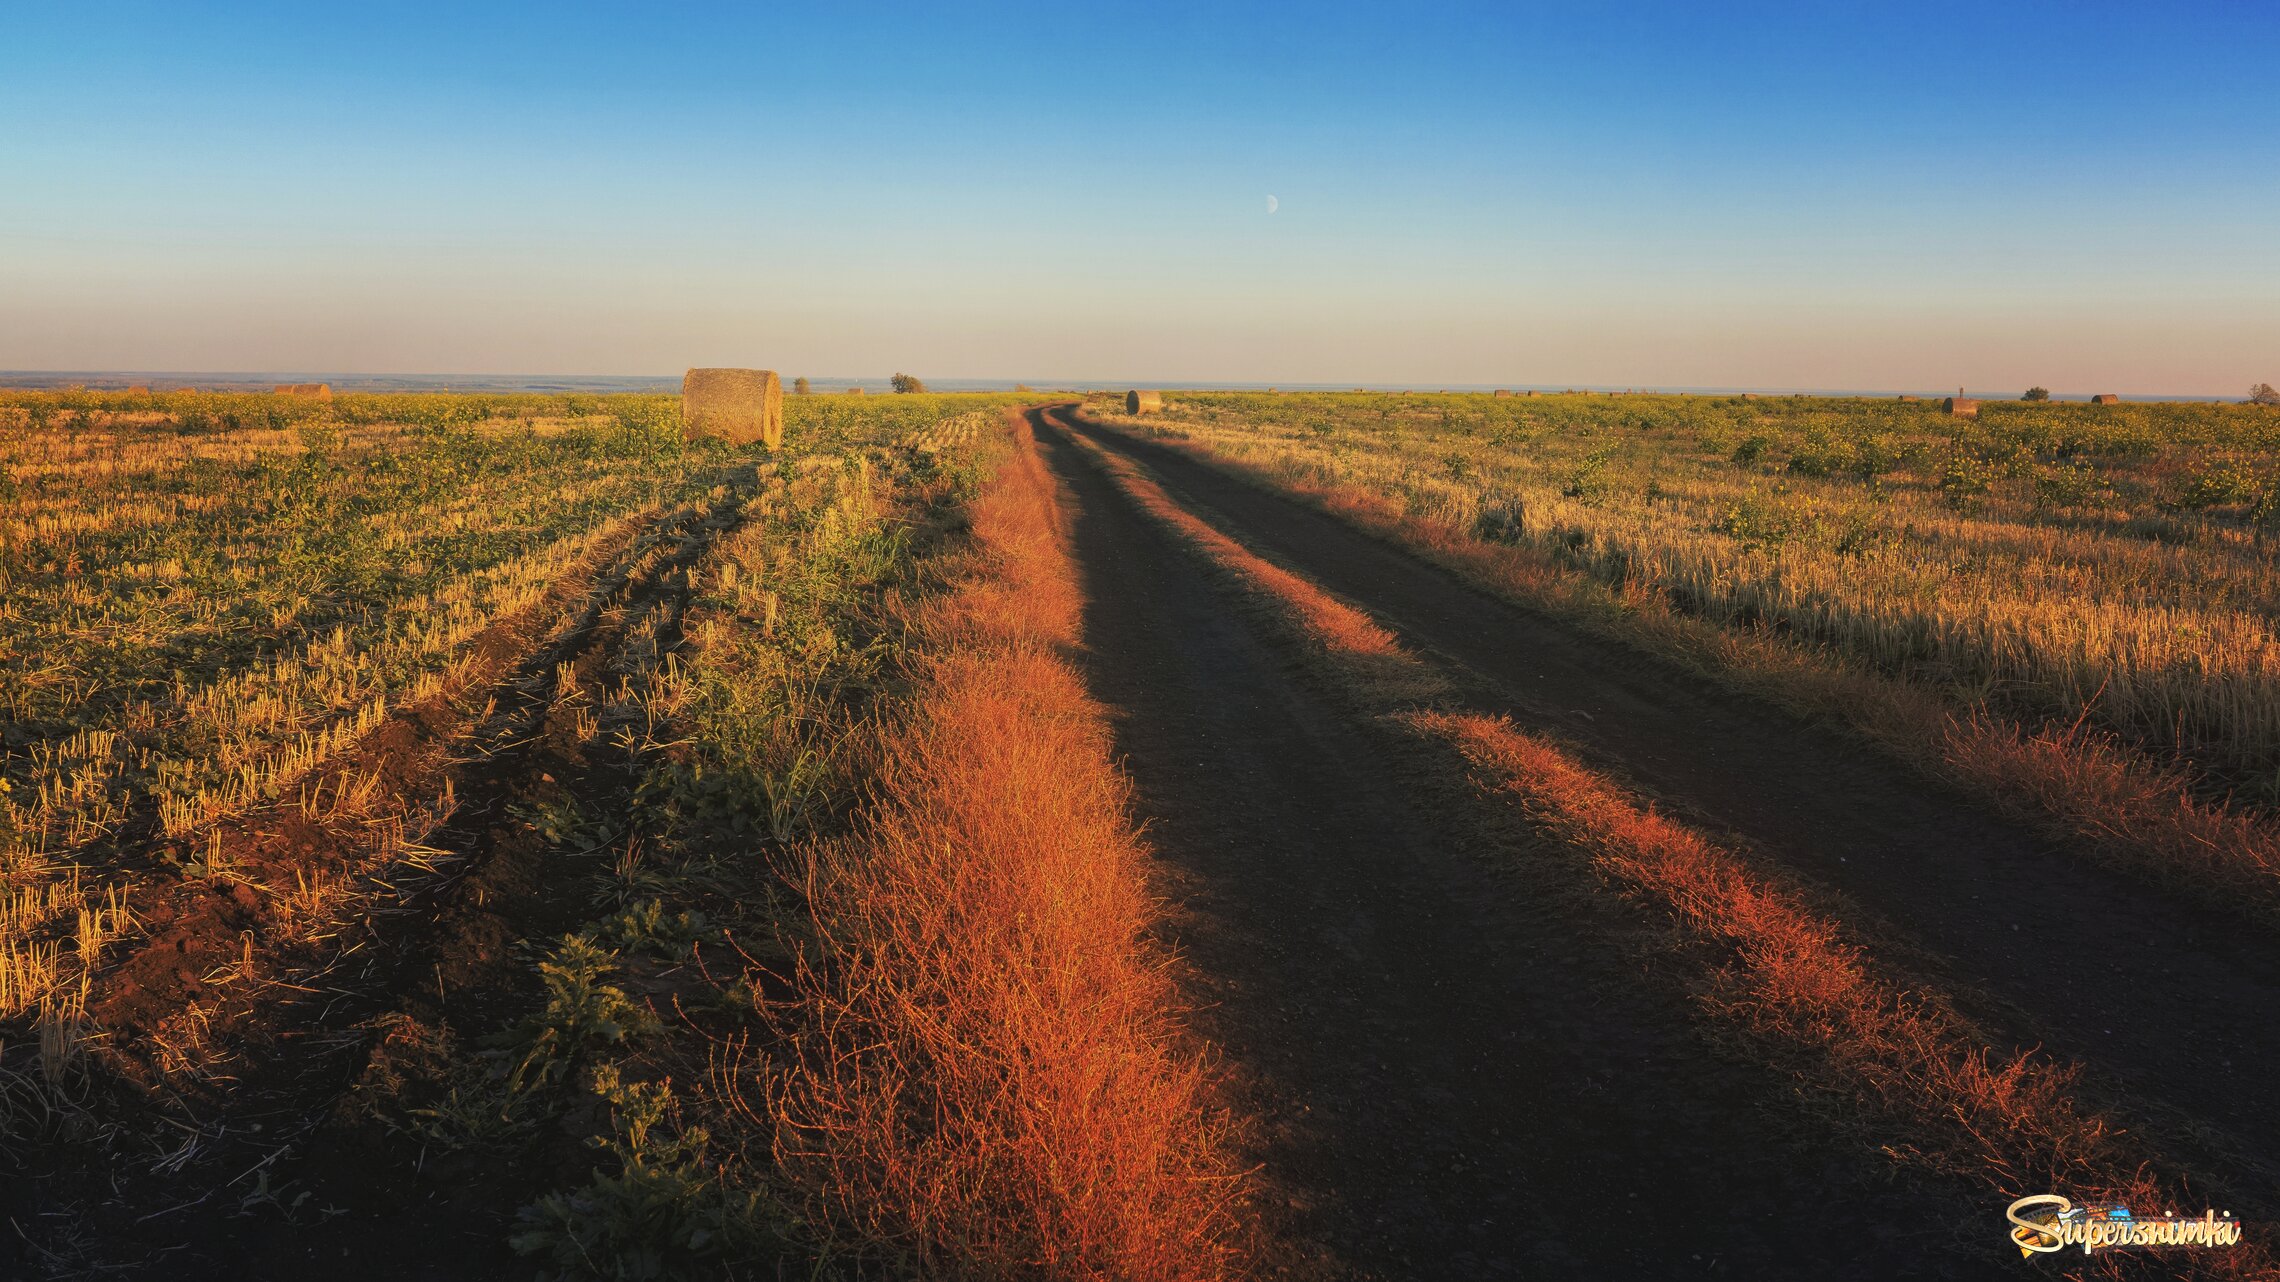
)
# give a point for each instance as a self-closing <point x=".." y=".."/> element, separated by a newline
<point x="1500" y="392"/>
<point x="739" y="406"/>
<point x="2105" y="398"/>
<point x="1138" y="402"/>
<point x="1960" y="407"/>
<point x="1911" y="399"/>
<point x="313" y="391"/>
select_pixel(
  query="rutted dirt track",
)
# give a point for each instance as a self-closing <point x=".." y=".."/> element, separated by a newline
<point x="1451" y="1075"/>
<point x="2171" y="1006"/>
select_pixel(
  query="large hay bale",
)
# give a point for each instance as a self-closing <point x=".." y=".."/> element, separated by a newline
<point x="854" y="391"/>
<point x="313" y="391"/>
<point x="1961" y="407"/>
<point x="1138" y="402"/>
<point x="739" y="406"/>
<point x="2105" y="398"/>
<point x="1500" y="392"/>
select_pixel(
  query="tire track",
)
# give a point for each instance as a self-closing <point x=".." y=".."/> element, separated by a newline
<point x="2169" y="1004"/>
<point x="1450" y="1077"/>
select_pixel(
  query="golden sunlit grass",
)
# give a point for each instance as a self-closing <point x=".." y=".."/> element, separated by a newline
<point x="995" y="1082"/>
<point x="1584" y="507"/>
<point x="990" y="1084"/>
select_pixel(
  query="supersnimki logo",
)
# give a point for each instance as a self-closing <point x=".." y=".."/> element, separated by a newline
<point x="2046" y="1222"/>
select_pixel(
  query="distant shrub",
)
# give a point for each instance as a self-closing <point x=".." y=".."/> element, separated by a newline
<point x="1754" y="523"/>
<point x="2071" y="484"/>
<point x="2220" y="484"/>
<point x="2036" y="394"/>
<point x="1871" y="458"/>
<point x="1589" y="481"/>
<point x="1965" y="477"/>
<point x="2263" y="394"/>
<point x="800" y="386"/>
<point x="1819" y="455"/>
<point x="907" y="383"/>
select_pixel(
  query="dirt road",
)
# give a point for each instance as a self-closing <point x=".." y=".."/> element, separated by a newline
<point x="1456" y="1074"/>
<point x="2171" y="1006"/>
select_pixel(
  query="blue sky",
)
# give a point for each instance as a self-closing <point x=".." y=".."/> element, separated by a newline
<point x="1826" y="195"/>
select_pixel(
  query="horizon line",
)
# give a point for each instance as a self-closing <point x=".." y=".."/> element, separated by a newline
<point x="51" y="380"/>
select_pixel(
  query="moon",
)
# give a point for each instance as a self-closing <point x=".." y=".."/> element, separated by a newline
<point x="1273" y="204"/>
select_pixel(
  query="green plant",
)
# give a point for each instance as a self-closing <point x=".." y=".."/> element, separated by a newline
<point x="2071" y="484"/>
<point x="665" y="1214"/>
<point x="1589" y="481"/>
<point x="1754" y="522"/>
<point x="646" y="927"/>
<point x="582" y="1014"/>
<point x="1966" y="476"/>
<point x="2223" y="483"/>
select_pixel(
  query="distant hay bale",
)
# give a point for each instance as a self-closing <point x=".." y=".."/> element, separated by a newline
<point x="1749" y="396"/>
<point x="2105" y="398"/>
<point x="1911" y="399"/>
<point x="1500" y="392"/>
<point x="739" y="406"/>
<point x="854" y="391"/>
<point x="1960" y="407"/>
<point x="313" y="391"/>
<point x="138" y="391"/>
<point x="1531" y="392"/>
<point x="1138" y="402"/>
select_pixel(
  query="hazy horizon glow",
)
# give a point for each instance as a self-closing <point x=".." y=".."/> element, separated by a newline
<point x="1810" y="195"/>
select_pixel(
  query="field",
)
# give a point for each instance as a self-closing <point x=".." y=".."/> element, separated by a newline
<point x="1300" y="836"/>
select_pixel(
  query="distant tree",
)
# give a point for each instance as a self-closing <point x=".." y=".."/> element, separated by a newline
<point x="908" y="383"/>
<point x="2036" y="394"/>
<point x="799" y="387"/>
<point x="2263" y="394"/>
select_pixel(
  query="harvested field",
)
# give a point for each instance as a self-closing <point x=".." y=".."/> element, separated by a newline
<point x="497" y="836"/>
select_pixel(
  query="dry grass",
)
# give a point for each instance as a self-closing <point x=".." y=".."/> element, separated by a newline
<point x="991" y="1082"/>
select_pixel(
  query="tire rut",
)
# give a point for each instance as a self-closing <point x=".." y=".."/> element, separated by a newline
<point x="1451" y="1074"/>
<point x="2170" y="1005"/>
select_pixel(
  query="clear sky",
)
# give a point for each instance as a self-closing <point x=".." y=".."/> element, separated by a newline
<point x="1825" y="194"/>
